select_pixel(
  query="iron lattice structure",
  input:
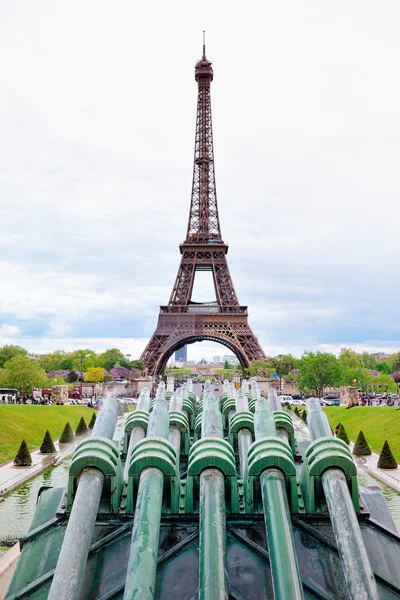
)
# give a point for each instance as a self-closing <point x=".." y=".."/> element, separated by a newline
<point x="183" y="321"/>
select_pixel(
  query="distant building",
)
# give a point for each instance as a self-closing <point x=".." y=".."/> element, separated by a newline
<point x="380" y="355"/>
<point x="34" y="355"/>
<point x="181" y="354"/>
<point x="230" y="358"/>
<point x="216" y="359"/>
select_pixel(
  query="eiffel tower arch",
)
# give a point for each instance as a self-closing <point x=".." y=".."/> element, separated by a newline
<point x="183" y="321"/>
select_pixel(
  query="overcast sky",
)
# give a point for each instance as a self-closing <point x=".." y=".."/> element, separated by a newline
<point x="97" y="119"/>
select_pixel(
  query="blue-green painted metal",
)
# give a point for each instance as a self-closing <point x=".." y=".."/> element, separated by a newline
<point x="213" y="512"/>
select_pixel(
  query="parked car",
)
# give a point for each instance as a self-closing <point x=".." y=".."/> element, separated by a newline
<point x="297" y="403"/>
<point x="331" y="400"/>
<point x="286" y="399"/>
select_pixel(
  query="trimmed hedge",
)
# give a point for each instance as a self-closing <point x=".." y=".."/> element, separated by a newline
<point x="67" y="435"/>
<point x="92" y="421"/>
<point x="386" y="459"/>
<point x="82" y="428"/>
<point x="361" y="447"/>
<point x="47" y="446"/>
<point x="23" y="458"/>
<point x="342" y="434"/>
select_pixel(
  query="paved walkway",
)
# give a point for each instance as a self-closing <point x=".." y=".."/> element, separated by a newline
<point x="12" y="476"/>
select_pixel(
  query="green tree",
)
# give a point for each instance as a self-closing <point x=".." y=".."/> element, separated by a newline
<point x="23" y="458"/>
<point x="137" y="364"/>
<point x="23" y="373"/>
<point x="350" y="358"/>
<point x="67" y="435"/>
<point x="85" y="357"/>
<point x="47" y="446"/>
<point x="72" y="377"/>
<point x="92" y="421"/>
<point x="8" y="352"/>
<point x="82" y="428"/>
<point x="368" y="360"/>
<point x="342" y="434"/>
<point x="112" y="357"/>
<point x="386" y="458"/>
<point x="383" y="367"/>
<point x="361" y="447"/>
<point x="52" y="361"/>
<point x="67" y="364"/>
<point x="317" y="370"/>
<point x="227" y="365"/>
<point x="94" y="374"/>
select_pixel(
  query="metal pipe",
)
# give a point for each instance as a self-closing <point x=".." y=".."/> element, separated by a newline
<point x="284" y="565"/>
<point x="212" y="569"/>
<point x="140" y="583"/>
<point x="142" y="564"/>
<point x="245" y="439"/>
<point x="274" y="401"/>
<point x="353" y="555"/>
<point x="106" y="420"/>
<point x="137" y="433"/>
<point x="71" y="564"/>
<point x="213" y="572"/>
<point x="285" y="569"/>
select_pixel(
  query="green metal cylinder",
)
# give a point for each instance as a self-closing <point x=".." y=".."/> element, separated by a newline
<point x="106" y="420"/>
<point x="175" y="438"/>
<point x="264" y="422"/>
<point x="137" y="434"/>
<point x="71" y="564"/>
<point x="159" y="419"/>
<point x="357" y="570"/>
<point x="274" y="401"/>
<point x="211" y="420"/>
<point x="142" y="565"/>
<point x="284" y="566"/>
<point x="213" y="583"/>
<point x="317" y="420"/>
<point x="245" y="439"/>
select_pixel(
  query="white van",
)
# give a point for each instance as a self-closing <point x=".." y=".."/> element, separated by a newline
<point x="285" y="399"/>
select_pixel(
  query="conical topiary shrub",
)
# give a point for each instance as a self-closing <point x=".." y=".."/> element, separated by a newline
<point x="120" y="410"/>
<point x="92" y="421"/>
<point x="47" y="446"/>
<point x="82" y="428"/>
<point x="386" y="459"/>
<point x="23" y="458"/>
<point x="361" y="447"/>
<point x="296" y="411"/>
<point x="304" y="416"/>
<point x="67" y="435"/>
<point x="342" y="434"/>
<point x="125" y="408"/>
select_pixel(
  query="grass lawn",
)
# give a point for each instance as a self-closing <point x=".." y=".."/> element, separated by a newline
<point x="379" y="423"/>
<point x="29" y="422"/>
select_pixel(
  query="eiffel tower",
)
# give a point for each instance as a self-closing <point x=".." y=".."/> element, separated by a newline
<point x="183" y="321"/>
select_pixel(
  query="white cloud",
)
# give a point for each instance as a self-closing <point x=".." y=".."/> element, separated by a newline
<point x="97" y="148"/>
<point x="7" y="330"/>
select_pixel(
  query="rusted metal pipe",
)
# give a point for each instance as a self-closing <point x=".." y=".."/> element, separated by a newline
<point x="71" y="564"/>
<point x="353" y="555"/>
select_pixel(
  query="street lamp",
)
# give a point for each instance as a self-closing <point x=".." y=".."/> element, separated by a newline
<point x="280" y="356"/>
<point x="128" y="356"/>
<point x="82" y="357"/>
